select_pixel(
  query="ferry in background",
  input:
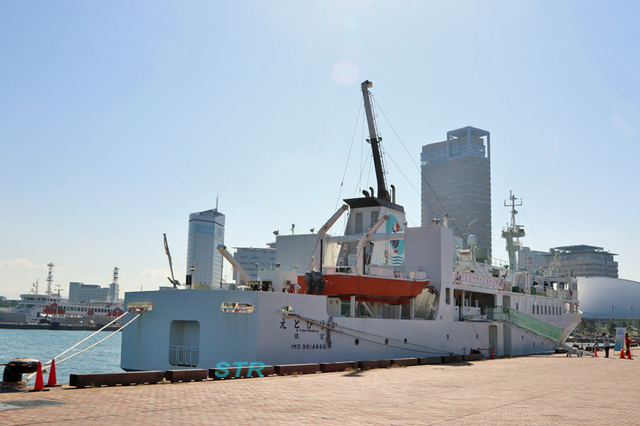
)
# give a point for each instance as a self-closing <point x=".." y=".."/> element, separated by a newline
<point x="39" y="306"/>
<point x="34" y="307"/>
<point x="389" y="291"/>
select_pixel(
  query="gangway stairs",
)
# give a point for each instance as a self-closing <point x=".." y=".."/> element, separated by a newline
<point x="534" y="325"/>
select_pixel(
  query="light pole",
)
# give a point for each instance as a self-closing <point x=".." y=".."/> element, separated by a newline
<point x="58" y="304"/>
<point x="612" y="309"/>
<point x="190" y="277"/>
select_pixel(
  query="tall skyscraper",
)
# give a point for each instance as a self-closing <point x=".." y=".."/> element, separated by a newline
<point x="456" y="180"/>
<point x="204" y="261"/>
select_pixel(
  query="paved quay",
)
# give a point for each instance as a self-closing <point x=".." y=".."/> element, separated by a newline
<point x="535" y="390"/>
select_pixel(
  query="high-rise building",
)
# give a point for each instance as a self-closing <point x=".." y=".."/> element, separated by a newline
<point x="86" y="293"/>
<point x="204" y="261"/>
<point x="253" y="259"/>
<point x="456" y="181"/>
<point x="583" y="261"/>
<point x="579" y="260"/>
<point x="531" y="260"/>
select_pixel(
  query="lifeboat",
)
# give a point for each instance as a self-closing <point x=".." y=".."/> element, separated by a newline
<point x="366" y="288"/>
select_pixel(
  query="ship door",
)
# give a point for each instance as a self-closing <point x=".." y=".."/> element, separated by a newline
<point x="507" y="339"/>
<point x="506" y="301"/>
<point x="493" y="338"/>
<point x="184" y="343"/>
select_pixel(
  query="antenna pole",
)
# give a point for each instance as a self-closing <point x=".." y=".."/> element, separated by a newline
<point x="116" y="296"/>
<point x="50" y="278"/>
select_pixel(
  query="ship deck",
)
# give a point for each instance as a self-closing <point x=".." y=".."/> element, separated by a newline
<point x="543" y="389"/>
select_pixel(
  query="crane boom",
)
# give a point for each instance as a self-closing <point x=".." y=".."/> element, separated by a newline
<point x="375" y="142"/>
<point x="363" y="240"/>
<point x="320" y="236"/>
<point x="237" y="267"/>
<point x="166" y="250"/>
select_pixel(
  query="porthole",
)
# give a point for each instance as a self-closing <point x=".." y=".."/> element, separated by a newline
<point x="386" y="341"/>
<point x="357" y="342"/>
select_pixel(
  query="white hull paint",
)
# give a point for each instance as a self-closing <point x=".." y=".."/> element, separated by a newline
<point x="195" y="319"/>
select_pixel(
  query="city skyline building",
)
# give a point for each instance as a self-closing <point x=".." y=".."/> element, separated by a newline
<point x="253" y="259"/>
<point x="579" y="260"/>
<point x="204" y="261"/>
<point x="531" y="260"/>
<point x="87" y="293"/>
<point x="584" y="261"/>
<point x="456" y="182"/>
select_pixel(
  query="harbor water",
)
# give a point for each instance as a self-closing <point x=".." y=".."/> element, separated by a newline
<point x="46" y="344"/>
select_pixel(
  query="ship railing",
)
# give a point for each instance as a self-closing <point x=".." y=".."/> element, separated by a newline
<point x="551" y="292"/>
<point x="185" y="356"/>
<point x="517" y="318"/>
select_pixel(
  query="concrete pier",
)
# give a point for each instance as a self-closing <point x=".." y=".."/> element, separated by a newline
<point x="535" y="390"/>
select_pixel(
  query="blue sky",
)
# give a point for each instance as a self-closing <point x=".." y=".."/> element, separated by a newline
<point x="118" y="119"/>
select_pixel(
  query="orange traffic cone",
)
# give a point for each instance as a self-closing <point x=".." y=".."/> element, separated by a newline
<point x="39" y="386"/>
<point x="52" y="382"/>
<point x="629" y="353"/>
<point x="492" y="357"/>
<point x="621" y="352"/>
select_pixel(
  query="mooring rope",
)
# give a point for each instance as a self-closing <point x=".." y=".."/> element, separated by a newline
<point x="45" y="367"/>
<point x="100" y="341"/>
<point x="84" y="340"/>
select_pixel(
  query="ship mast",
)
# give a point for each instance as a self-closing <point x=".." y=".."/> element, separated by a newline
<point x="513" y="231"/>
<point x="374" y="139"/>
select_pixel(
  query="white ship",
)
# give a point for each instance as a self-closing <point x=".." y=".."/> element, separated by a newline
<point x="37" y="307"/>
<point x="425" y="297"/>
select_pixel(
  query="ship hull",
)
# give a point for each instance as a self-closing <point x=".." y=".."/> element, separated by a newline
<point x="190" y="328"/>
